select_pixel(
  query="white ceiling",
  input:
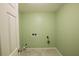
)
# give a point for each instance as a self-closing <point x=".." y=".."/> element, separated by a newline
<point x="39" y="7"/>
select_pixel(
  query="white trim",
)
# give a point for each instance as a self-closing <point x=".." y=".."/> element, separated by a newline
<point x="14" y="53"/>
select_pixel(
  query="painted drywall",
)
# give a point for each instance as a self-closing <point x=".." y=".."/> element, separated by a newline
<point x="67" y="29"/>
<point x="40" y="23"/>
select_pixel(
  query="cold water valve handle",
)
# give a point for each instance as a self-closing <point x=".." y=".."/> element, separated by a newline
<point x="48" y="41"/>
<point x="47" y="37"/>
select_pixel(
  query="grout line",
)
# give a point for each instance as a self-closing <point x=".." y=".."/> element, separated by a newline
<point x="58" y="52"/>
<point x="42" y="48"/>
<point x="14" y="52"/>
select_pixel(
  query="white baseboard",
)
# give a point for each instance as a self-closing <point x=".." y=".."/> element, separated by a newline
<point x="14" y="53"/>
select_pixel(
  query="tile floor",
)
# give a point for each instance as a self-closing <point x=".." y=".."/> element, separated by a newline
<point x="40" y="52"/>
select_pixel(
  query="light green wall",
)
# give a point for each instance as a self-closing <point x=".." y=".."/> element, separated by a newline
<point x="40" y="23"/>
<point x="67" y="29"/>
